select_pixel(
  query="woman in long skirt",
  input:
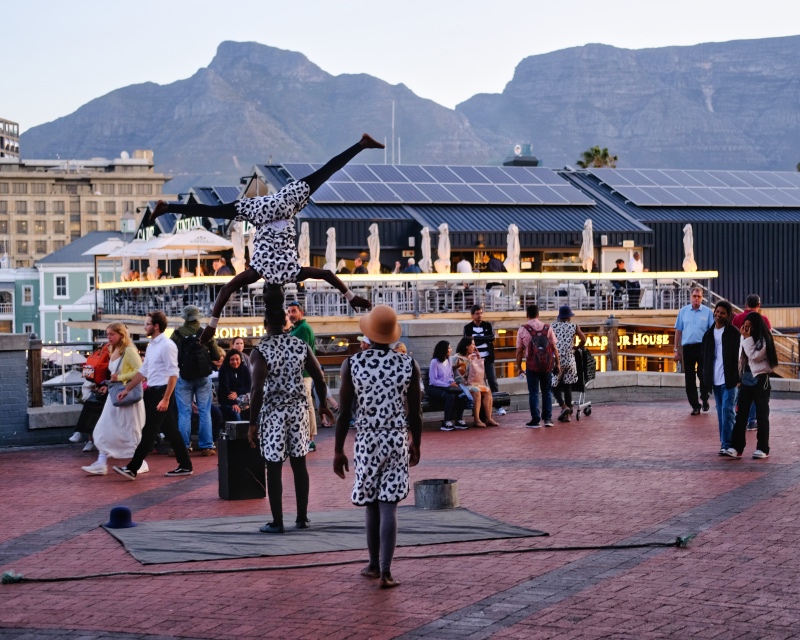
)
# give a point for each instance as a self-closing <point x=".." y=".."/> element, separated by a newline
<point x="119" y="429"/>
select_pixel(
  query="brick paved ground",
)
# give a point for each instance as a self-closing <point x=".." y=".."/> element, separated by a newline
<point x="628" y="473"/>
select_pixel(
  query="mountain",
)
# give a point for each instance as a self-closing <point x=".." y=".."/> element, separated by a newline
<point x="732" y="105"/>
<point x="254" y="103"/>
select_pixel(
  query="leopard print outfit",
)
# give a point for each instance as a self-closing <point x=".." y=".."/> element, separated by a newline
<point x="380" y="379"/>
<point x="275" y="241"/>
<point x="283" y="420"/>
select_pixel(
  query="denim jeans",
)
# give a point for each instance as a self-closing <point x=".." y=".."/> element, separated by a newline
<point x="536" y="382"/>
<point x="198" y="390"/>
<point x="725" y="400"/>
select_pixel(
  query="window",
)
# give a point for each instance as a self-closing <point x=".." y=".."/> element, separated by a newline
<point x="107" y="189"/>
<point x="111" y="206"/>
<point x="58" y="244"/>
<point x="91" y="207"/>
<point x="23" y="264"/>
<point x="27" y="295"/>
<point x="22" y="227"/>
<point x="3" y="206"/>
<point x="58" y="226"/>
<point x="20" y="187"/>
<point x="27" y="328"/>
<point x="58" y="206"/>
<point x="126" y="189"/>
<point x="39" y="206"/>
<point x="3" y="187"/>
<point x="22" y="246"/>
<point x="90" y="281"/>
<point x="74" y="229"/>
<point x="91" y="225"/>
<point x="62" y="332"/>
<point x="61" y="287"/>
<point x="22" y="207"/>
<point x="127" y="206"/>
<point x="38" y="187"/>
<point x="40" y="227"/>
<point x="3" y="227"/>
<point x="41" y="246"/>
<point x="144" y="189"/>
<point x="110" y="225"/>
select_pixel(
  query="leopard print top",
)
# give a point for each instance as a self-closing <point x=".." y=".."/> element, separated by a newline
<point x="286" y="357"/>
<point x="381" y="379"/>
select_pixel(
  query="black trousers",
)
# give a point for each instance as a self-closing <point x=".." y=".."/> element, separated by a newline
<point x="156" y="422"/>
<point x="491" y="376"/>
<point x="758" y="394"/>
<point x="693" y="369"/>
<point x="454" y="402"/>
<point x="90" y="414"/>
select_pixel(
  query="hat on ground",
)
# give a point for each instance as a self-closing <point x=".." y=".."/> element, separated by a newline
<point x="190" y="313"/>
<point x="380" y="325"/>
<point x="120" y="518"/>
<point x="565" y="312"/>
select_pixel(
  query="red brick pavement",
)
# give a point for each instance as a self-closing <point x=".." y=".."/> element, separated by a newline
<point x="628" y="472"/>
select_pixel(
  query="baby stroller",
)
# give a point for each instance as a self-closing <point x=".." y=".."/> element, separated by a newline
<point x="586" y="371"/>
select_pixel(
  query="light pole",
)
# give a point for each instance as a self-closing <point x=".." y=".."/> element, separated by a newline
<point x="61" y="350"/>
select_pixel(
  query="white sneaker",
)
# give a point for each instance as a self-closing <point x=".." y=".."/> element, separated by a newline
<point x="96" y="469"/>
<point x="758" y="453"/>
<point x="501" y="411"/>
<point x="89" y="446"/>
<point x="731" y="453"/>
<point x="76" y="437"/>
<point x="144" y="468"/>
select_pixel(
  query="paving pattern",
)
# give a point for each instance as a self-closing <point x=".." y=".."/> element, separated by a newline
<point x="630" y="473"/>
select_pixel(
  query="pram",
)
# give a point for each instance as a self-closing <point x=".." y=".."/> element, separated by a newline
<point x="587" y="368"/>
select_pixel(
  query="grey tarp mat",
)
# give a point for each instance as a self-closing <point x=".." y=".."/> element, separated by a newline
<point x="238" y="537"/>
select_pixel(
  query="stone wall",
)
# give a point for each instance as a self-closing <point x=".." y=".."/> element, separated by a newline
<point x="13" y="389"/>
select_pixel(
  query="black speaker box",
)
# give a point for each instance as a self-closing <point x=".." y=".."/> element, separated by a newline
<point x="242" y="474"/>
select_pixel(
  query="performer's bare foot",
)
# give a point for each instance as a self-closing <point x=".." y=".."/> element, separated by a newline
<point x="370" y="572"/>
<point x="360" y="303"/>
<point x="387" y="581"/>
<point x="368" y="142"/>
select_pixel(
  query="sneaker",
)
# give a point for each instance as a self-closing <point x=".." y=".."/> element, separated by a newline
<point x="447" y="426"/>
<point x="271" y="527"/>
<point x="124" y="471"/>
<point x="180" y="471"/>
<point x="758" y="453"/>
<point x="548" y="423"/>
<point x="89" y="446"/>
<point x="76" y="437"/>
<point x="501" y="411"/>
<point x="208" y="452"/>
<point x="96" y="469"/>
<point x="752" y="426"/>
<point x="732" y="453"/>
<point x="460" y="424"/>
<point x="312" y="446"/>
<point x="533" y="424"/>
<point x="144" y="468"/>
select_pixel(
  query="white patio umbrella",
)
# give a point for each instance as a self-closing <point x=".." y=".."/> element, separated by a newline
<point x="341" y="265"/>
<point x="442" y="265"/>
<point x="304" y="246"/>
<point x="512" y="254"/>
<point x="194" y="240"/>
<point x="330" y="251"/>
<point x="586" y="254"/>
<point x="689" y="265"/>
<point x="91" y="297"/>
<point x="425" y="264"/>
<point x="63" y="356"/>
<point x="237" y="237"/>
<point x="70" y="378"/>
<point x="105" y="247"/>
<point x="374" y="244"/>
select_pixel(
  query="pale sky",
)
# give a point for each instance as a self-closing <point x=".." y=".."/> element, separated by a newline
<point x="59" y="55"/>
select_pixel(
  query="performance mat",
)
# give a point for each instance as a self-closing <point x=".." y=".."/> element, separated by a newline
<point x="225" y="538"/>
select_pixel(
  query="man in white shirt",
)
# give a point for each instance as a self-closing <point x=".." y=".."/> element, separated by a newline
<point x="634" y="288"/>
<point x="464" y="266"/>
<point x="160" y="369"/>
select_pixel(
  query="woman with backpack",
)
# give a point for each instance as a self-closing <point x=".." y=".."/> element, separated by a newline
<point x="563" y="379"/>
<point x="119" y="429"/>
<point x="757" y="359"/>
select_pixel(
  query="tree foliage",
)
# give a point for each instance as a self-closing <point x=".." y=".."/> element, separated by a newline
<point x="596" y="157"/>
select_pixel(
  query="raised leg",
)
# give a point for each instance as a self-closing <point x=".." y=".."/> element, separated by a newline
<point x="316" y="179"/>
<point x="226" y="211"/>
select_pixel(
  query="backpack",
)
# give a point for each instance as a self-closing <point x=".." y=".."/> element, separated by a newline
<point x="194" y="359"/>
<point x="96" y="367"/>
<point x="540" y="356"/>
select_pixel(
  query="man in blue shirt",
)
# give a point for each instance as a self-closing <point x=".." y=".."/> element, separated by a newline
<point x="693" y="321"/>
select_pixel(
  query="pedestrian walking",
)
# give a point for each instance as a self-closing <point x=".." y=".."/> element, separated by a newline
<point x="694" y="319"/>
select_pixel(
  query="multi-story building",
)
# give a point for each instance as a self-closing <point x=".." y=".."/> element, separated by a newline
<point x="46" y="204"/>
<point x="19" y="301"/>
<point x="9" y="139"/>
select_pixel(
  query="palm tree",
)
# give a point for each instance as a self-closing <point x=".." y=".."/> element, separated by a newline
<point x="596" y="157"/>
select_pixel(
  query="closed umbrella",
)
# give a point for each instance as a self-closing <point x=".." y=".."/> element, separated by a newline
<point x="442" y="265"/>
<point x="374" y="244"/>
<point x="689" y="265"/>
<point x="512" y="254"/>
<point x="587" y="247"/>
<point x="425" y="264"/>
<point x="304" y="246"/>
<point x="237" y="237"/>
<point x="330" y="251"/>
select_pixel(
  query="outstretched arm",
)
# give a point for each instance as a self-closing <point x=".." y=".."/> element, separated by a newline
<point x="315" y="371"/>
<point x="259" y="374"/>
<point x="315" y="273"/>
<point x="346" y="394"/>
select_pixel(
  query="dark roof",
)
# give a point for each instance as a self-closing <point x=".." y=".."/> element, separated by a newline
<point x="215" y="195"/>
<point x="355" y="212"/>
<point x="72" y="253"/>
<point x="681" y="214"/>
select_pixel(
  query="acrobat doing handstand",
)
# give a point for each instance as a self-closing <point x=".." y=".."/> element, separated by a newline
<point x="275" y="247"/>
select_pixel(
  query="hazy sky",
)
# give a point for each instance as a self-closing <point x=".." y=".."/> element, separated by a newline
<point x="59" y="55"/>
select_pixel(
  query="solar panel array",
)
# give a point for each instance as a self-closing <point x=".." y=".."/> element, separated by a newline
<point x="440" y="184"/>
<point x="696" y="188"/>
